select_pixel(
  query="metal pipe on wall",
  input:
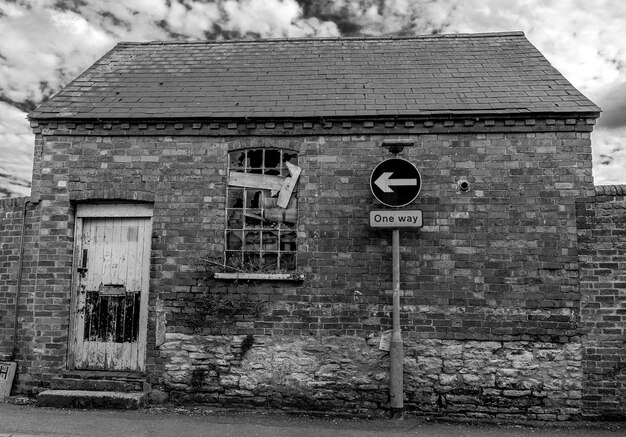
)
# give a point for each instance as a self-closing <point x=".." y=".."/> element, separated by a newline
<point x="18" y="287"/>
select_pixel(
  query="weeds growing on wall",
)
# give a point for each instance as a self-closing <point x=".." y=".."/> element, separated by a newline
<point x="223" y="304"/>
<point x="246" y="344"/>
<point x="198" y="375"/>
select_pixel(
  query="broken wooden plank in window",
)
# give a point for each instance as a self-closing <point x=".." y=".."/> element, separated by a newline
<point x="271" y="212"/>
<point x="291" y="213"/>
<point x="284" y="186"/>
<point x="256" y="217"/>
<point x="253" y="219"/>
<point x="254" y="180"/>
<point x="289" y="185"/>
<point x="273" y="215"/>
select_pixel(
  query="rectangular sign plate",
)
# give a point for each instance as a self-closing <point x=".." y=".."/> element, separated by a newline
<point x="396" y="219"/>
<point x="7" y="373"/>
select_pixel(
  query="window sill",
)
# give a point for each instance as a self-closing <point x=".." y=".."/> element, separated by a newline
<point x="294" y="277"/>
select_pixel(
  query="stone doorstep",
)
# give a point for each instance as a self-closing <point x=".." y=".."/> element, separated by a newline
<point x="84" y="399"/>
<point x="83" y="380"/>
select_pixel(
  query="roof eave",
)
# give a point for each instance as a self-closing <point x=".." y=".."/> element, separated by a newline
<point x="590" y="112"/>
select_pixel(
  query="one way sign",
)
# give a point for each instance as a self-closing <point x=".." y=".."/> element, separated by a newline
<point x="395" y="182"/>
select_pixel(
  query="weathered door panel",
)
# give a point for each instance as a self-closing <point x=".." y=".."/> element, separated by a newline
<point x="111" y="293"/>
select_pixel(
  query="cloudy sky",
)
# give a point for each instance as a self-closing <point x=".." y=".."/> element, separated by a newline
<point x="46" y="43"/>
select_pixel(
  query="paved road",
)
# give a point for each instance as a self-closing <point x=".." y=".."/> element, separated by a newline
<point x="23" y="421"/>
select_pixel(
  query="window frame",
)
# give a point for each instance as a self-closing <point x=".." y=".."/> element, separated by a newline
<point x="260" y="238"/>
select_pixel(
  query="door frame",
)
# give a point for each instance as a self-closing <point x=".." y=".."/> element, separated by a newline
<point x="109" y="210"/>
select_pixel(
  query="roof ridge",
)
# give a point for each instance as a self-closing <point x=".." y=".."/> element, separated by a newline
<point x="308" y="39"/>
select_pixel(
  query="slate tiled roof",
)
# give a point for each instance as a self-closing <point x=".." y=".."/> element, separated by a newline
<point x="499" y="73"/>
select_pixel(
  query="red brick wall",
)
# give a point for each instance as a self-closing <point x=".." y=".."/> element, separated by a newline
<point x="602" y="224"/>
<point x="498" y="262"/>
<point x="11" y="213"/>
<point x="11" y="219"/>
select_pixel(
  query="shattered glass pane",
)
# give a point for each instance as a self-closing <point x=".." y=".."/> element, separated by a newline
<point x="288" y="261"/>
<point x="287" y="226"/>
<point x="255" y="160"/>
<point x="270" y="241"/>
<point x="253" y="218"/>
<point x="292" y="158"/>
<point x="235" y="219"/>
<point x="253" y="198"/>
<point x="235" y="198"/>
<point x="233" y="259"/>
<point x="233" y="240"/>
<point x="288" y="241"/>
<point x="253" y="240"/>
<point x="270" y="261"/>
<point x="237" y="159"/>
<point x="251" y="260"/>
<point x="272" y="162"/>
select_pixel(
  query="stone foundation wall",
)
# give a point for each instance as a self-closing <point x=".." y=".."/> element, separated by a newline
<point x="497" y="379"/>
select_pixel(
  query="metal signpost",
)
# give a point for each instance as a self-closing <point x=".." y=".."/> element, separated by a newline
<point x="396" y="183"/>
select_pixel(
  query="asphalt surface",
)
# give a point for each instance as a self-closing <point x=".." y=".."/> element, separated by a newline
<point x="26" y="421"/>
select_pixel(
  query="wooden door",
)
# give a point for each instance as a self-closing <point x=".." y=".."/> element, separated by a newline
<point x="111" y="287"/>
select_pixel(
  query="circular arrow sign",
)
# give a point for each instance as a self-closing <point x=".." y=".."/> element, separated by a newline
<point x="395" y="182"/>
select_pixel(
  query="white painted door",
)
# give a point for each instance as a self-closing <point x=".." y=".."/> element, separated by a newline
<point x="111" y="290"/>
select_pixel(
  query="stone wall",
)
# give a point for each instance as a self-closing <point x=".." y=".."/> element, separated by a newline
<point x="602" y="236"/>
<point x="347" y="374"/>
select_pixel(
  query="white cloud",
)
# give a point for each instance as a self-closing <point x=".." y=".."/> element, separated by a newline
<point x="16" y="143"/>
<point x="609" y="156"/>
<point x="45" y="50"/>
<point x="137" y="20"/>
<point x="194" y="20"/>
<point x="612" y="99"/>
<point x="272" y="19"/>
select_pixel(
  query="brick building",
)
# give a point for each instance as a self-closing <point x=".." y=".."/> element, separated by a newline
<point x="198" y="231"/>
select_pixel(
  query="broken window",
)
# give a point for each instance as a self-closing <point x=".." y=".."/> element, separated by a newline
<point x="262" y="210"/>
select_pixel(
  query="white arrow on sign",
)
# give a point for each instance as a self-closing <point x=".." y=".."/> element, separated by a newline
<point x="384" y="183"/>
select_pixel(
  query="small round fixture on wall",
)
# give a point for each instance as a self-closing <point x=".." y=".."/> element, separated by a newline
<point x="464" y="185"/>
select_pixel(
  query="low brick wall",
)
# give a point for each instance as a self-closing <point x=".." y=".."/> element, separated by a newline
<point x="11" y="216"/>
<point x="534" y="380"/>
<point x="602" y="253"/>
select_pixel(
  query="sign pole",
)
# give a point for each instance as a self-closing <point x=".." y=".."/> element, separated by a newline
<point x="396" y="350"/>
<point x="396" y="182"/>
